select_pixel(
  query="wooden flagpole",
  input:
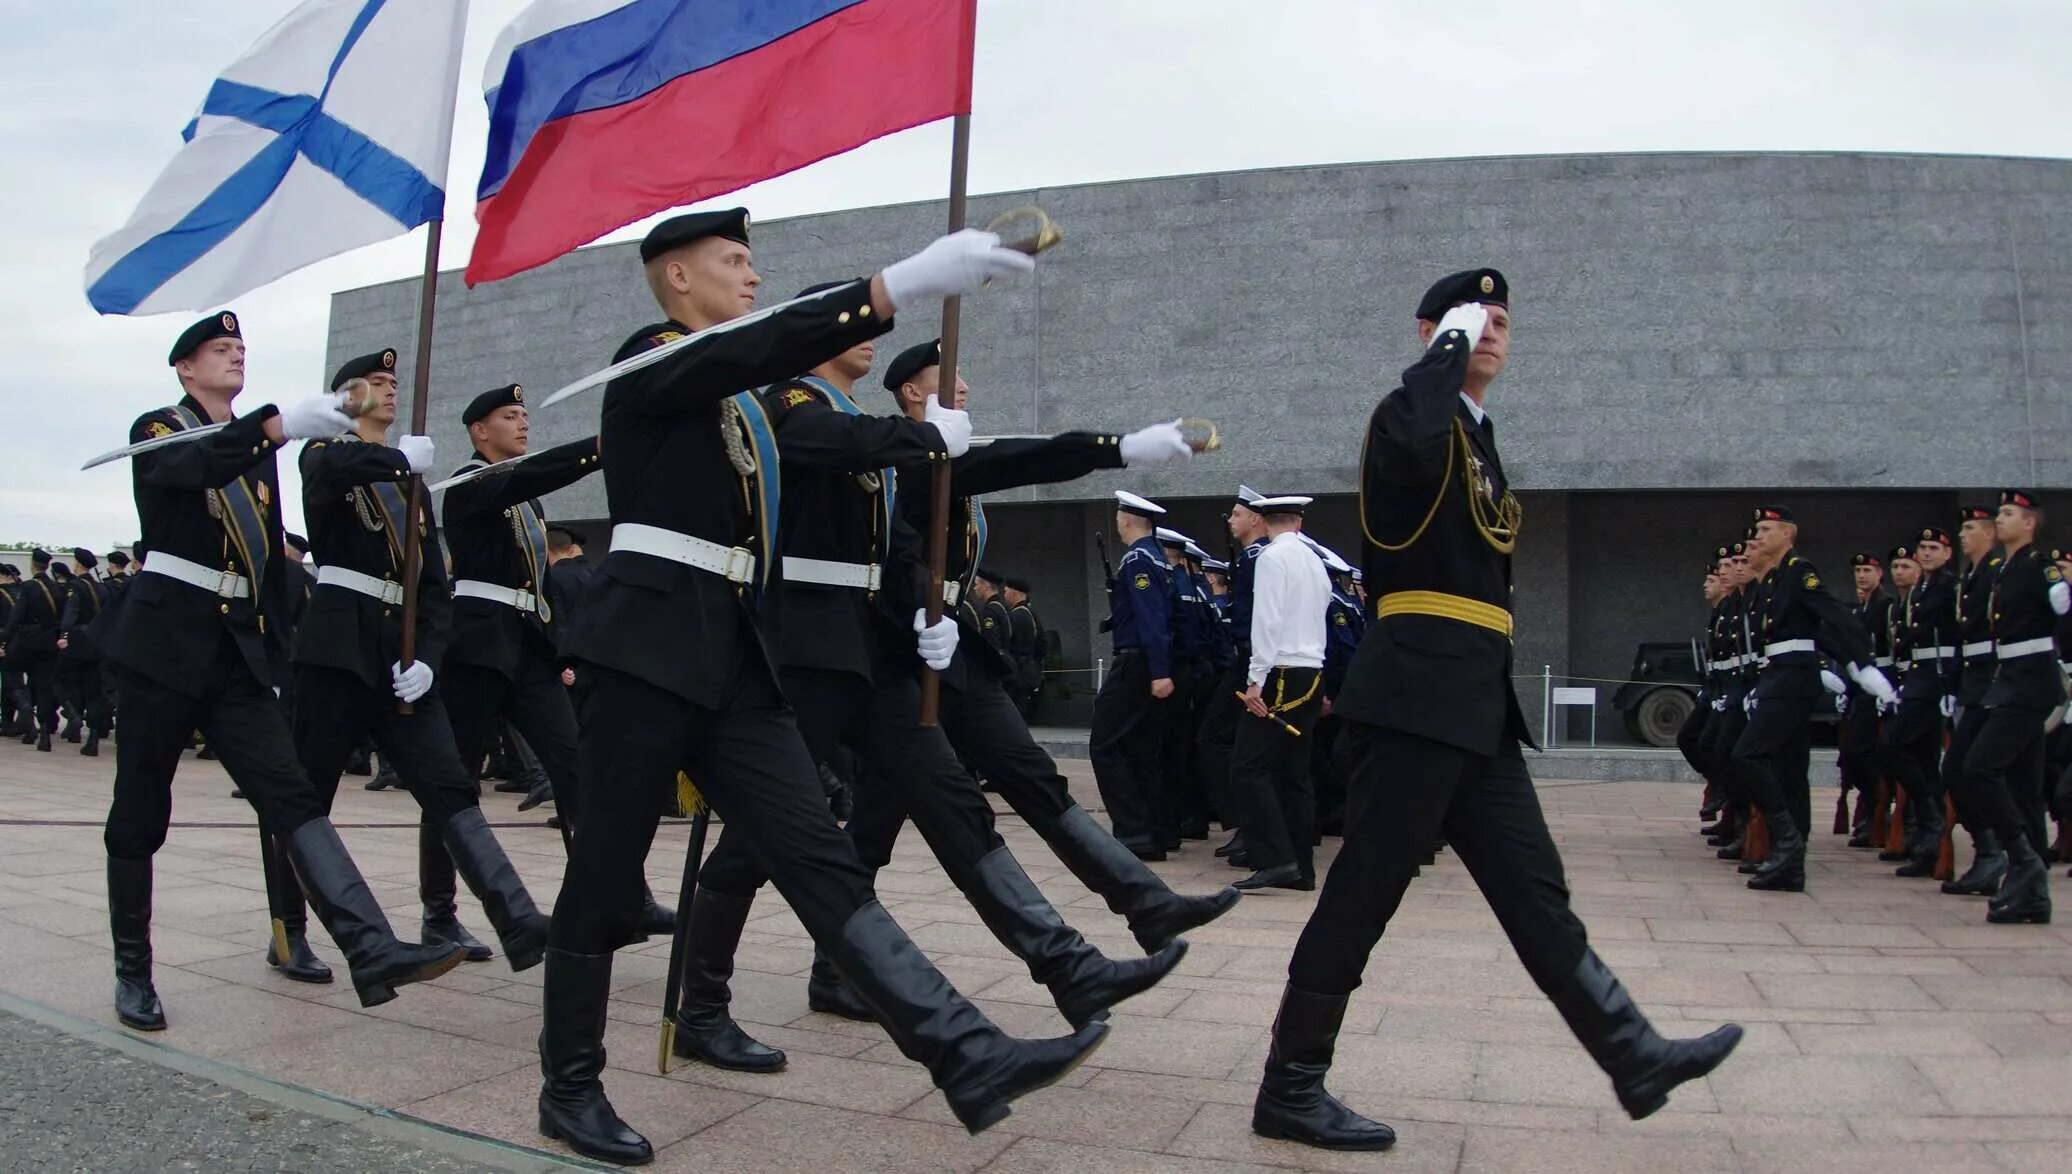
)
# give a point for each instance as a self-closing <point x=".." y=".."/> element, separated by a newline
<point x="420" y="403"/>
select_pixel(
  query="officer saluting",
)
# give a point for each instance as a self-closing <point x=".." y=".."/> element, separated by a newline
<point x="2004" y="768"/>
<point x="192" y="645"/>
<point x="1431" y="739"/>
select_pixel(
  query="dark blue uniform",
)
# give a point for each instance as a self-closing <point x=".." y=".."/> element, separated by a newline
<point x="1219" y="717"/>
<point x="1197" y="636"/>
<point x="1127" y="729"/>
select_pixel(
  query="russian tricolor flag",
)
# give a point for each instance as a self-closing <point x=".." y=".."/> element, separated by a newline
<point x="602" y="112"/>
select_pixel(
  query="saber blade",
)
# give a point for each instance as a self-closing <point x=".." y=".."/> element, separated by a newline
<point x="653" y="355"/>
<point x="155" y="443"/>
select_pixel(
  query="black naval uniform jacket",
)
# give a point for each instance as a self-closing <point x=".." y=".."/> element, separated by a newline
<point x="1434" y="677"/>
<point x="86" y="603"/>
<point x="2021" y="612"/>
<point x="1794" y="605"/>
<point x="1719" y="651"/>
<point x="676" y="627"/>
<point x="1975" y="627"/>
<point x="167" y="630"/>
<point x="1875" y="615"/>
<point x="482" y="523"/>
<point x="342" y="628"/>
<point x="832" y="510"/>
<point x="1928" y="616"/>
<point x="32" y="628"/>
<point x="1003" y="464"/>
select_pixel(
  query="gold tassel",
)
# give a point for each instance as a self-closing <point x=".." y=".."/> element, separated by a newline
<point x="688" y="801"/>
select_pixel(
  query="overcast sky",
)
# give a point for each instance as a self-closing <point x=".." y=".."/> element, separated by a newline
<point x="93" y="94"/>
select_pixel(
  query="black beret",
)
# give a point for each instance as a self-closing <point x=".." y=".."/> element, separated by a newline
<point x="1469" y="285"/>
<point x="39" y="557"/>
<point x="1901" y="552"/>
<point x="2022" y="498"/>
<point x="365" y="365"/>
<point x="297" y="541"/>
<point x="1935" y="534"/>
<point x="10" y="569"/>
<point x="1772" y="513"/>
<point x="911" y="362"/>
<point x="1974" y="513"/>
<point x="85" y="557"/>
<point x="492" y="400"/>
<point x="60" y="571"/>
<point x="118" y="559"/>
<point x="1017" y="583"/>
<point x="678" y="231"/>
<point x="209" y="329"/>
<point x="989" y="575"/>
<point x="1864" y="559"/>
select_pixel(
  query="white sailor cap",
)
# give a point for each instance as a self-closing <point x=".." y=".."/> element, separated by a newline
<point x="1196" y="553"/>
<point x="1246" y="495"/>
<point x="1217" y="565"/>
<point x="1281" y="505"/>
<point x="1357" y="576"/>
<point x="1170" y="537"/>
<point x="1143" y="507"/>
<point x="1330" y="556"/>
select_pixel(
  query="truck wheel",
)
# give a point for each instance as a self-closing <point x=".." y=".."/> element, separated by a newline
<point x="1661" y="714"/>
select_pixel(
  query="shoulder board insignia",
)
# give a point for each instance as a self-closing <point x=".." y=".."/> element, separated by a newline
<point x="1143" y="582"/>
<point x="660" y="337"/>
<point x="797" y="396"/>
<point x="1994" y="561"/>
<point x="159" y="428"/>
<point x="1811" y="580"/>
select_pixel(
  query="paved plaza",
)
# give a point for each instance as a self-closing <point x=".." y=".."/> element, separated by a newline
<point x="1888" y="1026"/>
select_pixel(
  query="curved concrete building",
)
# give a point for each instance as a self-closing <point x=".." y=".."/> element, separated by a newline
<point x="1871" y="338"/>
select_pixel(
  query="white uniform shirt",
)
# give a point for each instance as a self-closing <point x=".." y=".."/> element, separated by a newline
<point x="1290" y="596"/>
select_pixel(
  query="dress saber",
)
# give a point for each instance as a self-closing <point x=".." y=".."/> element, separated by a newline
<point x="156" y="442"/>
<point x="672" y="986"/>
<point x="650" y="357"/>
<point x="479" y="471"/>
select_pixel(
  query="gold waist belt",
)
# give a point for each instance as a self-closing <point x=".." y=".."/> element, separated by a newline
<point x="1446" y="607"/>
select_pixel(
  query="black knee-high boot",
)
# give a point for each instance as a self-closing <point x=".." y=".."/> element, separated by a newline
<point x="129" y="922"/>
<point x="343" y="902"/>
<point x="1644" y="1067"/>
<point x="704" y="1029"/>
<point x="1292" y="1103"/>
<point x="1156" y="914"/>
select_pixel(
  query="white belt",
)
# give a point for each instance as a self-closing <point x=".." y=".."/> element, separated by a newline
<point x="2027" y="647"/>
<point x="1978" y="648"/>
<point x="732" y="563"/>
<point x="1724" y="666"/>
<point x="227" y="584"/>
<point x="382" y="589"/>
<point x="517" y="597"/>
<point x="1883" y="662"/>
<point x="862" y="576"/>
<point x="1939" y="652"/>
<point x="1787" y="646"/>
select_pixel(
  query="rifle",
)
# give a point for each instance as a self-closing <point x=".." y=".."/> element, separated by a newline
<point x="1107" y="577"/>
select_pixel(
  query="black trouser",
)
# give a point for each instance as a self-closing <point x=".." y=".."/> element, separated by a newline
<point x="1324" y="773"/>
<point x="748" y="761"/>
<point x="984" y="728"/>
<point x="334" y="709"/>
<point x="479" y="700"/>
<point x="1129" y="726"/>
<point x="1691" y="735"/>
<point x="1183" y="801"/>
<point x="1909" y="748"/>
<point x="41" y="669"/>
<point x="1956" y="780"/>
<point x="2004" y="774"/>
<point x="240" y="717"/>
<point x="14" y="697"/>
<point x="1857" y="741"/>
<point x="881" y="722"/>
<point x="1269" y="772"/>
<point x="1404" y="792"/>
<point x="1722" y="730"/>
<point x="1773" y="755"/>
<point x="1216" y="734"/>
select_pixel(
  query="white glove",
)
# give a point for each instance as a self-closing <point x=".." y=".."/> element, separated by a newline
<point x="938" y="643"/>
<point x="2060" y="597"/>
<point x="1748" y="702"/>
<point x="1832" y="683"/>
<point x="1155" y="445"/>
<point x="1948" y="705"/>
<point x="318" y="417"/>
<point x="956" y="264"/>
<point x="1888" y="708"/>
<point x="1468" y="317"/>
<point x="953" y="423"/>
<point x="1719" y="705"/>
<point x="413" y="682"/>
<point x="418" y="451"/>
<point x="1873" y="682"/>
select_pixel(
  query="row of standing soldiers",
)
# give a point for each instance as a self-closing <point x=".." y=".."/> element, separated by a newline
<point x="1971" y="736"/>
<point x="50" y="666"/>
